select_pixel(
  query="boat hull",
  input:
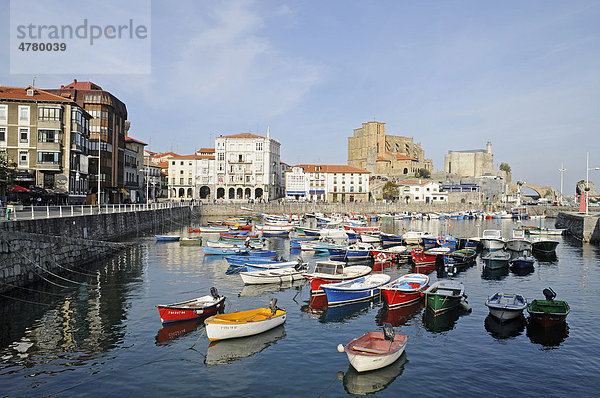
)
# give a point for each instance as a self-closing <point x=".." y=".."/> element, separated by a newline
<point x="406" y="290"/>
<point x="363" y="288"/>
<point x="371" y="351"/>
<point x="180" y="312"/>
<point x="272" y="276"/>
<point x="249" y="323"/>
<point x="441" y="297"/>
<point x="547" y="313"/>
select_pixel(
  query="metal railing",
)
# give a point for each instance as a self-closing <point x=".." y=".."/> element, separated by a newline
<point x="19" y="212"/>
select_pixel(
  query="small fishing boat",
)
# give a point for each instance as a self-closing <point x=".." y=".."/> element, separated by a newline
<point x="459" y="259"/>
<point x="225" y="251"/>
<point x="276" y="275"/>
<point x="192" y="309"/>
<point x="506" y="306"/>
<point x="389" y="253"/>
<point x="491" y="240"/>
<point x="390" y="239"/>
<point x="414" y="237"/>
<point x="195" y="241"/>
<point x="427" y="257"/>
<point x="544" y="246"/>
<point x="358" y="289"/>
<point x="444" y="295"/>
<point x="405" y="290"/>
<point x="546" y="231"/>
<point x="332" y="272"/>
<point x="211" y="229"/>
<point x="274" y="230"/>
<point x="375" y="350"/>
<point x="523" y="261"/>
<point x="244" y="323"/>
<point x="548" y="312"/>
<point x="518" y="243"/>
<point x="496" y="260"/>
<point x="166" y="238"/>
<point x="265" y="266"/>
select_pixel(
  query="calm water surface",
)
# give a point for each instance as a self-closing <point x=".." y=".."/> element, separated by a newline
<point x="102" y="334"/>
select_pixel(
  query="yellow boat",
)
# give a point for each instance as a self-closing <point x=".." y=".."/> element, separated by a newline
<point x="244" y="323"/>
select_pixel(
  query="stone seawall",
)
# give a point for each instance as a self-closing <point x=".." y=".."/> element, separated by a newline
<point x="580" y="226"/>
<point x="31" y="250"/>
<point x="26" y="258"/>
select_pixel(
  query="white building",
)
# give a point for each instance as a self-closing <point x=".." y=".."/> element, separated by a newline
<point x="191" y="177"/>
<point x="421" y="191"/>
<point x="247" y="167"/>
<point x="331" y="183"/>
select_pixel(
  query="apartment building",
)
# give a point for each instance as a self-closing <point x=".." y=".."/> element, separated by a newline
<point x="108" y="129"/>
<point x="191" y="177"/>
<point x="330" y="183"/>
<point x="134" y="170"/>
<point x="421" y="191"/>
<point x="248" y="167"/>
<point x="46" y="136"/>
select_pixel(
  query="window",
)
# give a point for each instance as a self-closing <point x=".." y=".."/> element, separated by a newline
<point x="4" y="114"/>
<point x="48" y="136"/>
<point x="181" y="181"/>
<point x="221" y="156"/>
<point x="189" y="181"/>
<point x="23" y="114"/>
<point x="49" y="157"/>
<point x="49" y="114"/>
<point x="23" y="136"/>
<point x="2" y="134"/>
<point x="259" y="146"/>
<point x="23" y="159"/>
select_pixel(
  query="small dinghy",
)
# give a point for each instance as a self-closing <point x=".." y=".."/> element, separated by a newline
<point x="192" y="309"/>
<point x="506" y="306"/>
<point x="358" y="289"/>
<point x="405" y="290"/>
<point x="275" y="275"/>
<point x="375" y="350"/>
<point x="548" y="312"/>
<point x="244" y="323"/>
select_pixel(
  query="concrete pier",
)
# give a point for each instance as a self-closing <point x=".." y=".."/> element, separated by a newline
<point x="581" y="226"/>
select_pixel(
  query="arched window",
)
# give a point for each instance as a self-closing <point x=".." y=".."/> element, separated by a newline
<point x="181" y="193"/>
<point x="231" y="193"/>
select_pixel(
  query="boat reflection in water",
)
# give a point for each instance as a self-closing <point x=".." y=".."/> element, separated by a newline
<point x="364" y="383"/>
<point x="550" y="337"/>
<point x="258" y="290"/>
<point x="346" y="312"/>
<point x="172" y="331"/>
<point x="504" y="330"/>
<point x="545" y="257"/>
<point x="400" y="315"/>
<point x="223" y="352"/>
<point x="441" y="322"/>
<point x="424" y="269"/>
<point x="522" y="271"/>
<point x="494" y="274"/>
<point x="381" y="265"/>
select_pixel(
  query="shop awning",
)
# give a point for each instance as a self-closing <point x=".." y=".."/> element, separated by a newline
<point x="124" y="191"/>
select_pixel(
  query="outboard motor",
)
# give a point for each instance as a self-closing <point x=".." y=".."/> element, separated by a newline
<point x="214" y="293"/>
<point x="549" y="294"/>
<point x="388" y="331"/>
<point x="273" y="306"/>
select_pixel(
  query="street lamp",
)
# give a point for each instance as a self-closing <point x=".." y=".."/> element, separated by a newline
<point x="562" y="171"/>
<point x="587" y="181"/>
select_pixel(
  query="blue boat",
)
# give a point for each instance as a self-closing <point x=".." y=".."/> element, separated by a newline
<point x="522" y="262"/>
<point x="217" y="251"/>
<point x="363" y="288"/>
<point x="390" y="240"/>
<point x="167" y="238"/>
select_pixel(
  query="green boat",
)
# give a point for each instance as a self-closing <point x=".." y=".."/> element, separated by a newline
<point x="548" y="312"/>
<point x="444" y="295"/>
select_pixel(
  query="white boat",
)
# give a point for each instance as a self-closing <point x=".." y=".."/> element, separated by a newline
<point x="414" y="237"/>
<point x="277" y="275"/>
<point x="375" y="350"/>
<point x="274" y="228"/>
<point x="244" y="323"/>
<point x="273" y="265"/>
<point x="518" y="243"/>
<point x="546" y="231"/>
<point x="492" y="240"/>
<point x="505" y="306"/>
<point x="335" y="233"/>
<point x="370" y="237"/>
<point x="332" y="272"/>
<point x="211" y="229"/>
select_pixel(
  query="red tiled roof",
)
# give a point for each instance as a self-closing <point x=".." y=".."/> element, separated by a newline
<point x="129" y="139"/>
<point x="342" y="168"/>
<point x="162" y="155"/>
<point x="209" y="150"/>
<point x="194" y="157"/>
<point x="382" y="159"/>
<point x="20" y="93"/>
<point x="82" y="85"/>
<point x="163" y="165"/>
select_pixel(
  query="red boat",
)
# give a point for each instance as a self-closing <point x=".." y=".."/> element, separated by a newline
<point x="427" y="257"/>
<point x="362" y="229"/>
<point x="172" y="331"/>
<point x="333" y="272"/>
<point x="405" y="290"/>
<point x="192" y="309"/>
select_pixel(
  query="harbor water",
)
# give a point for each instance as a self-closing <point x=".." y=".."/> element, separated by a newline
<point x="97" y="331"/>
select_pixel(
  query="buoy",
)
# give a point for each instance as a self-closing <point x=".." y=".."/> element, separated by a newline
<point x="340" y="348"/>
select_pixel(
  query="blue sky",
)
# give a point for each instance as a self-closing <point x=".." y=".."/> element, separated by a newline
<point x="451" y="74"/>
